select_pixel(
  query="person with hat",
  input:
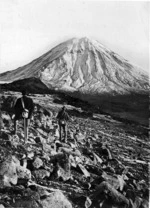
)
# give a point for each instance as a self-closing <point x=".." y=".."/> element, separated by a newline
<point x="63" y="117"/>
<point x="23" y="109"/>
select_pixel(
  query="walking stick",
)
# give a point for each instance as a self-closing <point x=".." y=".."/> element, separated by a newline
<point x="25" y="130"/>
<point x="25" y="121"/>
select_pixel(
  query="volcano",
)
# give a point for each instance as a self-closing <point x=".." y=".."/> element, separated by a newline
<point x="88" y="70"/>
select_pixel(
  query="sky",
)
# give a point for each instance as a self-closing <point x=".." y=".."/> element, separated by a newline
<point x="30" y="28"/>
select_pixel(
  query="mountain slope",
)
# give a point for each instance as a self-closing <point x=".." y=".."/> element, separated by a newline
<point x="99" y="149"/>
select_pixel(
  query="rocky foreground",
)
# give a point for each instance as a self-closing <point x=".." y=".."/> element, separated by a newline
<point x="103" y="164"/>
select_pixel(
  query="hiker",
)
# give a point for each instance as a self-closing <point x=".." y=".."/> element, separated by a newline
<point x="1" y="121"/>
<point x="23" y="109"/>
<point x="63" y="117"/>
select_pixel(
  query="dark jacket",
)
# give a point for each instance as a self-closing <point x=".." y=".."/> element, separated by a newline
<point x="63" y="115"/>
<point x="18" y="108"/>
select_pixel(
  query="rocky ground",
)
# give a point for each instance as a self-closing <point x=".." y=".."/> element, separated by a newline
<point x="103" y="164"/>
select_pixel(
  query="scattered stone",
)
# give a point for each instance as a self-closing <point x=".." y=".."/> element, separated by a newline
<point x="31" y="199"/>
<point x="30" y="155"/>
<point x="97" y="159"/>
<point x="64" y="174"/>
<point x="8" y="171"/>
<point x="117" y="183"/>
<point x="80" y="137"/>
<point x="83" y="169"/>
<point x="72" y="161"/>
<point x="63" y="168"/>
<point x="5" y="136"/>
<point x="56" y="200"/>
<point x="38" y="140"/>
<point x="37" y="163"/>
<point x="108" y="196"/>
<point x="70" y="151"/>
<point x="96" y="152"/>
<point x="23" y="173"/>
<point x="145" y="204"/>
<point x="47" y="148"/>
<point x="41" y="173"/>
<point x="88" y="202"/>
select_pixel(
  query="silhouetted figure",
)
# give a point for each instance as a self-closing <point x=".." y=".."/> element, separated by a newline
<point x="63" y="117"/>
<point x="1" y="121"/>
<point x="23" y="110"/>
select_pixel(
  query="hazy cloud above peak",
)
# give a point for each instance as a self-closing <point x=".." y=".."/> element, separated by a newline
<point x="30" y="28"/>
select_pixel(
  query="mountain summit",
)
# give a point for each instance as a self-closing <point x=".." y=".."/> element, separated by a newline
<point x="83" y="65"/>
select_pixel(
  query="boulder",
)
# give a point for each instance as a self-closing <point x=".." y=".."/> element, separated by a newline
<point x="30" y="155"/>
<point x="42" y="192"/>
<point x="70" y="151"/>
<point x="64" y="174"/>
<point x="11" y="171"/>
<point x="56" y="200"/>
<point x="116" y="182"/>
<point x="24" y="203"/>
<point x="37" y="163"/>
<point x="36" y="200"/>
<point x="83" y="169"/>
<point x="139" y="203"/>
<point x="31" y="199"/>
<point x="88" y="202"/>
<point x="107" y="196"/>
<point x="37" y="123"/>
<point x="39" y="140"/>
<point x="80" y="137"/>
<point x="41" y="174"/>
<point x="63" y="166"/>
<point x="6" y="118"/>
<point x="15" y="140"/>
<point x="105" y="152"/>
<point x="144" y="204"/>
<point x="8" y="171"/>
<point x="97" y="159"/>
<point x="56" y="157"/>
<point x="47" y="148"/>
<point x="5" y="136"/>
<point x="23" y="173"/>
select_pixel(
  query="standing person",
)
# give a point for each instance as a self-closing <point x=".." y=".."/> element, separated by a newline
<point x="63" y="117"/>
<point x="1" y="121"/>
<point x="23" y="110"/>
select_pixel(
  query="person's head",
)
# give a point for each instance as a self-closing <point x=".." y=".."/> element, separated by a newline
<point x="24" y="92"/>
<point x="63" y="108"/>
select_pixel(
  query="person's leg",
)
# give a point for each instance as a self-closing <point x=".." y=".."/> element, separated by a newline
<point x="60" y="132"/>
<point x="65" y="132"/>
<point x="15" y="126"/>
<point x="26" y="122"/>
